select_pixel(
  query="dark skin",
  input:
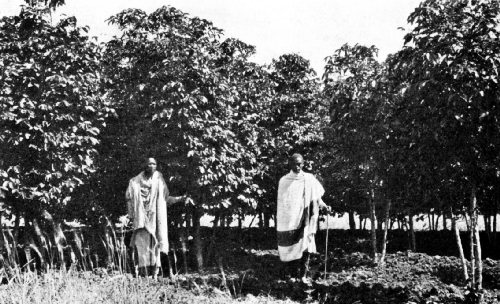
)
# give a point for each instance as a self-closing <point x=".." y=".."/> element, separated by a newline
<point x="150" y="167"/>
<point x="296" y="164"/>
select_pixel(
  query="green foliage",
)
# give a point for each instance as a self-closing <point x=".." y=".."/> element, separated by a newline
<point x="51" y="110"/>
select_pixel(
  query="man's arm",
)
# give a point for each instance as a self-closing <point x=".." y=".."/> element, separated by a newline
<point x="322" y="205"/>
<point x="129" y="201"/>
<point x="171" y="200"/>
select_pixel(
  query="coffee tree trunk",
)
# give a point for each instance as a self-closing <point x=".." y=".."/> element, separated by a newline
<point x="16" y="225"/>
<point x="183" y="239"/>
<point x="495" y="226"/>
<point x="460" y="247"/>
<point x="476" y="261"/>
<point x="386" y="228"/>
<point x="413" y="243"/>
<point x="216" y="220"/>
<point x="487" y="224"/>
<point x="352" y="222"/>
<point x="479" y="261"/>
<point x="240" y="220"/>
<point x="373" y="220"/>
<point x="445" y="222"/>
<point x="472" y="252"/>
<point x="436" y="222"/>
<point x="198" y="246"/>
<point x="487" y="227"/>
<point x="267" y="218"/>
<point x="211" y="248"/>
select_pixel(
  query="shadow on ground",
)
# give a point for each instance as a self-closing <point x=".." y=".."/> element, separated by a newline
<point x="246" y="262"/>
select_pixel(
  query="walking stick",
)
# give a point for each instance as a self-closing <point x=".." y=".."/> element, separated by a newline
<point x="326" y="242"/>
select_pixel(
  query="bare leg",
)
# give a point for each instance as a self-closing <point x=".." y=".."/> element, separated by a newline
<point x="155" y="271"/>
<point x="305" y="267"/>
<point x="134" y="261"/>
<point x="170" y="268"/>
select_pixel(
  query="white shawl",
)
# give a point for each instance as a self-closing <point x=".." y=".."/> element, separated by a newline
<point x="297" y="216"/>
<point x="154" y="220"/>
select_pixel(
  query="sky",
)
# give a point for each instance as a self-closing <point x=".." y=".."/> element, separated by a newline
<point x="313" y="29"/>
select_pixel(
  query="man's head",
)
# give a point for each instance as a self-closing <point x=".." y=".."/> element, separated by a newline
<point x="296" y="163"/>
<point x="150" y="165"/>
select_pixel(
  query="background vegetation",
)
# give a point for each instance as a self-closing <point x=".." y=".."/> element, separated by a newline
<point x="415" y="136"/>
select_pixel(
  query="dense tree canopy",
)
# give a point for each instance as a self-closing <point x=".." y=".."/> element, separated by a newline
<point x="448" y="74"/>
<point x="190" y="99"/>
<point x="355" y="134"/>
<point x="51" y="110"/>
<point x="419" y="130"/>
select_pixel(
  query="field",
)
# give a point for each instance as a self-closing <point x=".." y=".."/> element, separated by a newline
<point x="243" y="267"/>
<point x="406" y="141"/>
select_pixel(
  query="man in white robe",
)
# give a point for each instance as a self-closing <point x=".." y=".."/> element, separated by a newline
<point x="147" y="199"/>
<point x="299" y="201"/>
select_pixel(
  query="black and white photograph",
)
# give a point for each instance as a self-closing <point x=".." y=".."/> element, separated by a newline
<point x="253" y="152"/>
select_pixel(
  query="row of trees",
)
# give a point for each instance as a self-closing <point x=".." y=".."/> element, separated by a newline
<point x="421" y="130"/>
<point x="78" y="118"/>
<point x="415" y="134"/>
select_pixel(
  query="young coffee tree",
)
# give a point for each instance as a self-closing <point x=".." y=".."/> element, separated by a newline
<point x="293" y="125"/>
<point x="357" y="98"/>
<point x="451" y="59"/>
<point x="190" y="99"/>
<point x="51" y="110"/>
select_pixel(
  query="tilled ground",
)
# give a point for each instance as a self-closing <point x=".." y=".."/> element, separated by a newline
<point x="246" y="264"/>
<point x="243" y="267"/>
<point x="406" y="277"/>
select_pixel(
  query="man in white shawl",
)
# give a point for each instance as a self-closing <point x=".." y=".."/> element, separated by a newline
<point x="299" y="200"/>
<point x="147" y="198"/>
